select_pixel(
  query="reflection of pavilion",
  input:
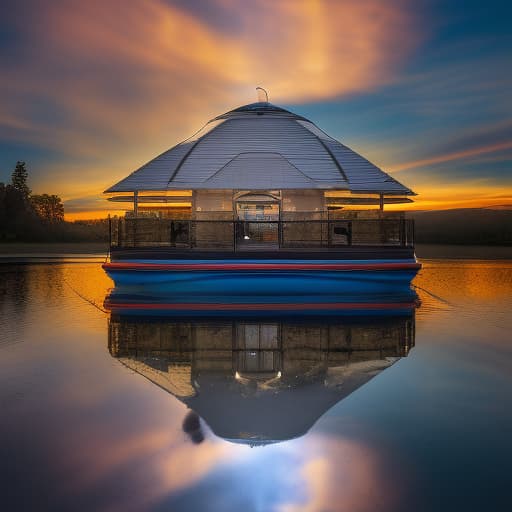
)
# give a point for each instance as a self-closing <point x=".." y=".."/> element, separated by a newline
<point x="260" y="381"/>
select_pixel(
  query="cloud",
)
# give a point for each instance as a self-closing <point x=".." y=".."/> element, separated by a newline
<point x="111" y="84"/>
<point x="113" y="61"/>
<point x="449" y="157"/>
<point x="470" y="194"/>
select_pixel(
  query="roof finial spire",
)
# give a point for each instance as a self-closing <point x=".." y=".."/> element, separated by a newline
<point x="262" y="95"/>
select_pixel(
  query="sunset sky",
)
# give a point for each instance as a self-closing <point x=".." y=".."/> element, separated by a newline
<point x="90" y="90"/>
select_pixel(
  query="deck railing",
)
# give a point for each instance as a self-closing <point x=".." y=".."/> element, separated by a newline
<point x="128" y="232"/>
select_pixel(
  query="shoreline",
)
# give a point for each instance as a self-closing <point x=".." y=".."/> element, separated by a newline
<point x="87" y="250"/>
<point x="47" y="249"/>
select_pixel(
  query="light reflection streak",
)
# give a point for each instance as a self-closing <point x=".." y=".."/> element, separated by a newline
<point x="341" y="474"/>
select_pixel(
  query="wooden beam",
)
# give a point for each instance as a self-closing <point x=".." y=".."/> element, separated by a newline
<point x="366" y="200"/>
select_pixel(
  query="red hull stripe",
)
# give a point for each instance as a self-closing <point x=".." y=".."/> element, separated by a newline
<point x="261" y="266"/>
<point x="260" y="307"/>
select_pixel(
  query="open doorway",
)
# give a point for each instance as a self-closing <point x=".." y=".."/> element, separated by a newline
<point x="258" y="221"/>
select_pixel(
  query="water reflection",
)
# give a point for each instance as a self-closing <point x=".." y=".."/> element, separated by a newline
<point x="258" y="381"/>
<point x="81" y="432"/>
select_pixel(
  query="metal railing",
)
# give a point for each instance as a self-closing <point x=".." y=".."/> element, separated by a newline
<point x="129" y="232"/>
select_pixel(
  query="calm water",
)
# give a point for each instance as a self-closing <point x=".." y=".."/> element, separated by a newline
<point x="400" y="413"/>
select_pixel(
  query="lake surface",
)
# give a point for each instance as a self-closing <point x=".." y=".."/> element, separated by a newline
<point x="400" y="412"/>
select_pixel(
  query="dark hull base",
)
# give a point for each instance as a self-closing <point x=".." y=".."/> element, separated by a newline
<point x="338" y="253"/>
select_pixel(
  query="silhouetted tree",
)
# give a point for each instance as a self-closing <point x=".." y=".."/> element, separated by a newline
<point x="48" y="207"/>
<point x="17" y="219"/>
<point x="19" y="180"/>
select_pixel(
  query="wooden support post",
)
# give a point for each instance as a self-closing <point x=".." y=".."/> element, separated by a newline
<point x="136" y="203"/>
<point x="381" y="202"/>
<point x="109" y="232"/>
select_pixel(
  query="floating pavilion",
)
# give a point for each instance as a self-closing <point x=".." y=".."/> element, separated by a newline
<point x="260" y="189"/>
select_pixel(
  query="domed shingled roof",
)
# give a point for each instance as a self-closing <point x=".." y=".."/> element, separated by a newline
<point x="260" y="146"/>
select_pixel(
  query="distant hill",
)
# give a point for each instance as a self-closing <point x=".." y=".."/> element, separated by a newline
<point x="479" y="226"/>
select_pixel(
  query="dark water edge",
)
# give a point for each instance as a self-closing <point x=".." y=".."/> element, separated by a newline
<point x="34" y="249"/>
<point x="36" y="252"/>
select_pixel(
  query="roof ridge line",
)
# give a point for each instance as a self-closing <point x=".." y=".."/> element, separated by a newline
<point x="166" y="151"/>
<point x="163" y="153"/>
<point x="377" y="167"/>
<point x="107" y="191"/>
<point x="319" y="129"/>
<point x="329" y="152"/>
<point x="186" y="155"/>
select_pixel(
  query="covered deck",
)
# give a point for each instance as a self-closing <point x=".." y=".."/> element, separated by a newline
<point x="312" y="235"/>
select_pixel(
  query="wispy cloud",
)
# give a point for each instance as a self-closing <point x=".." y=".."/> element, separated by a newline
<point x="449" y="157"/>
<point x="96" y="71"/>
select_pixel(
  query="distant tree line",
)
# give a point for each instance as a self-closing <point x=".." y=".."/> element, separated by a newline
<point x="27" y="217"/>
<point x="465" y="226"/>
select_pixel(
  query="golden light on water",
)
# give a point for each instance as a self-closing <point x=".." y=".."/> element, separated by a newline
<point x="137" y="432"/>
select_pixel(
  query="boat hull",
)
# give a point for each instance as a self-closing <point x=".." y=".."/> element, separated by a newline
<point x="189" y="278"/>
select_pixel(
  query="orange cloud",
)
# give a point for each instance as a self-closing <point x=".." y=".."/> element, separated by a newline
<point x="449" y="157"/>
<point x="181" y="68"/>
<point x="475" y="194"/>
